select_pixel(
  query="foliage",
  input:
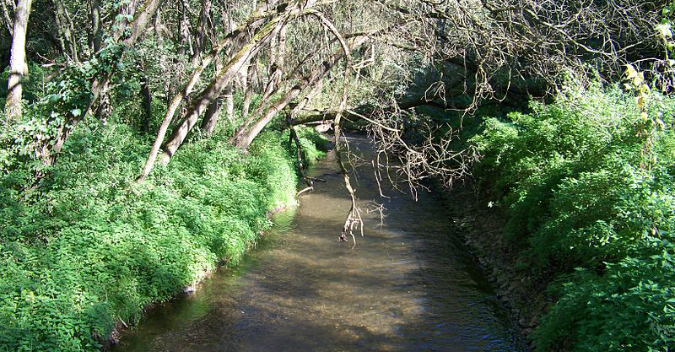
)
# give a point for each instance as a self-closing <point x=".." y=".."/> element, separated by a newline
<point x="90" y="247"/>
<point x="33" y="84"/>
<point x="83" y="246"/>
<point x="590" y="206"/>
<point x="314" y="145"/>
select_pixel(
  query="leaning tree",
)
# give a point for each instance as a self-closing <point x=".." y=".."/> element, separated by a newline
<point x="375" y="61"/>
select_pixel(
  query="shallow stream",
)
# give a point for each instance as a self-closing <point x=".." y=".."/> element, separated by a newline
<point x="408" y="285"/>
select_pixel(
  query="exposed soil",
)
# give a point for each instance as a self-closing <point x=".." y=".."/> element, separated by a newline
<point x="481" y="226"/>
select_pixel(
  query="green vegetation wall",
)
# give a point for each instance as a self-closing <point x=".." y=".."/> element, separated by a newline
<point x="90" y="247"/>
<point x="588" y="186"/>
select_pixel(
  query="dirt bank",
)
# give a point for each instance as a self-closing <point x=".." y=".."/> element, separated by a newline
<point x="481" y="225"/>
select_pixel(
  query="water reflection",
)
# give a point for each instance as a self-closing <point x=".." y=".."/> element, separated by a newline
<point x="407" y="286"/>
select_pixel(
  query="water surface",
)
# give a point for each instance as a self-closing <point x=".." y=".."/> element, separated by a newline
<point x="408" y="285"/>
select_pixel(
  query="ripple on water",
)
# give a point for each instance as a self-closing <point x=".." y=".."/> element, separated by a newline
<point x="408" y="285"/>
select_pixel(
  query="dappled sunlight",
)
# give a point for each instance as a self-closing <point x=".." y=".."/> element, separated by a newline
<point x="403" y="287"/>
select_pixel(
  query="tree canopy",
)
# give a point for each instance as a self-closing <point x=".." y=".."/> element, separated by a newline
<point x="176" y="72"/>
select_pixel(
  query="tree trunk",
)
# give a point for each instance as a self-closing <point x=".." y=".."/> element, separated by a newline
<point x="7" y="19"/>
<point x="141" y="20"/>
<point x="147" y="103"/>
<point x="244" y="139"/>
<point x="248" y="51"/>
<point x="229" y="90"/>
<point x="211" y="117"/>
<point x="159" y="27"/>
<point x="263" y="104"/>
<point x="96" y="35"/>
<point x="281" y="50"/>
<point x="66" y="29"/>
<point x="168" y="116"/>
<point x="210" y="93"/>
<point x="59" y="28"/>
<point x="276" y="60"/>
<point x="18" y="66"/>
<point x="212" y="114"/>
<point x="248" y="88"/>
<point x="202" y="31"/>
<point x="229" y="102"/>
<point x="186" y="47"/>
<point x="252" y="25"/>
<point x="105" y="108"/>
<point x="122" y="23"/>
<point x="46" y="148"/>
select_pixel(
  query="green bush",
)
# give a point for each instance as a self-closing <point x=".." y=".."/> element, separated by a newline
<point x="89" y="247"/>
<point x="591" y="207"/>
<point x="629" y="307"/>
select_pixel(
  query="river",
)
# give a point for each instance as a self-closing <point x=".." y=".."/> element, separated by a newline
<point x="408" y="285"/>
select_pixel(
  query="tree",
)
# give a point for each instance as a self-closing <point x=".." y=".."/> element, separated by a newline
<point x="18" y="65"/>
<point x="375" y="61"/>
<point x="47" y="147"/>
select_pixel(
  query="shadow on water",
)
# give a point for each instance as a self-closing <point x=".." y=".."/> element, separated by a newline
<point x="409" y="285"/>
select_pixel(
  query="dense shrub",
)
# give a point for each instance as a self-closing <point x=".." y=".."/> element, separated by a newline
<point x="591" y="208"/>
<point x="89" y="247"/>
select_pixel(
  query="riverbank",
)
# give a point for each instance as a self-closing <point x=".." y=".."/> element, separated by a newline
<point x="94" y="248"/>
<point x="582" y="243"/>
<point x="194" y="286"/>
<point x="408" y="285"/>
<point x="481" y="226"/>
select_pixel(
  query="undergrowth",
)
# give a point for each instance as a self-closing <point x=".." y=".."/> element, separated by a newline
<point x="89" y="247"/>
<point x="590" y="200"/>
